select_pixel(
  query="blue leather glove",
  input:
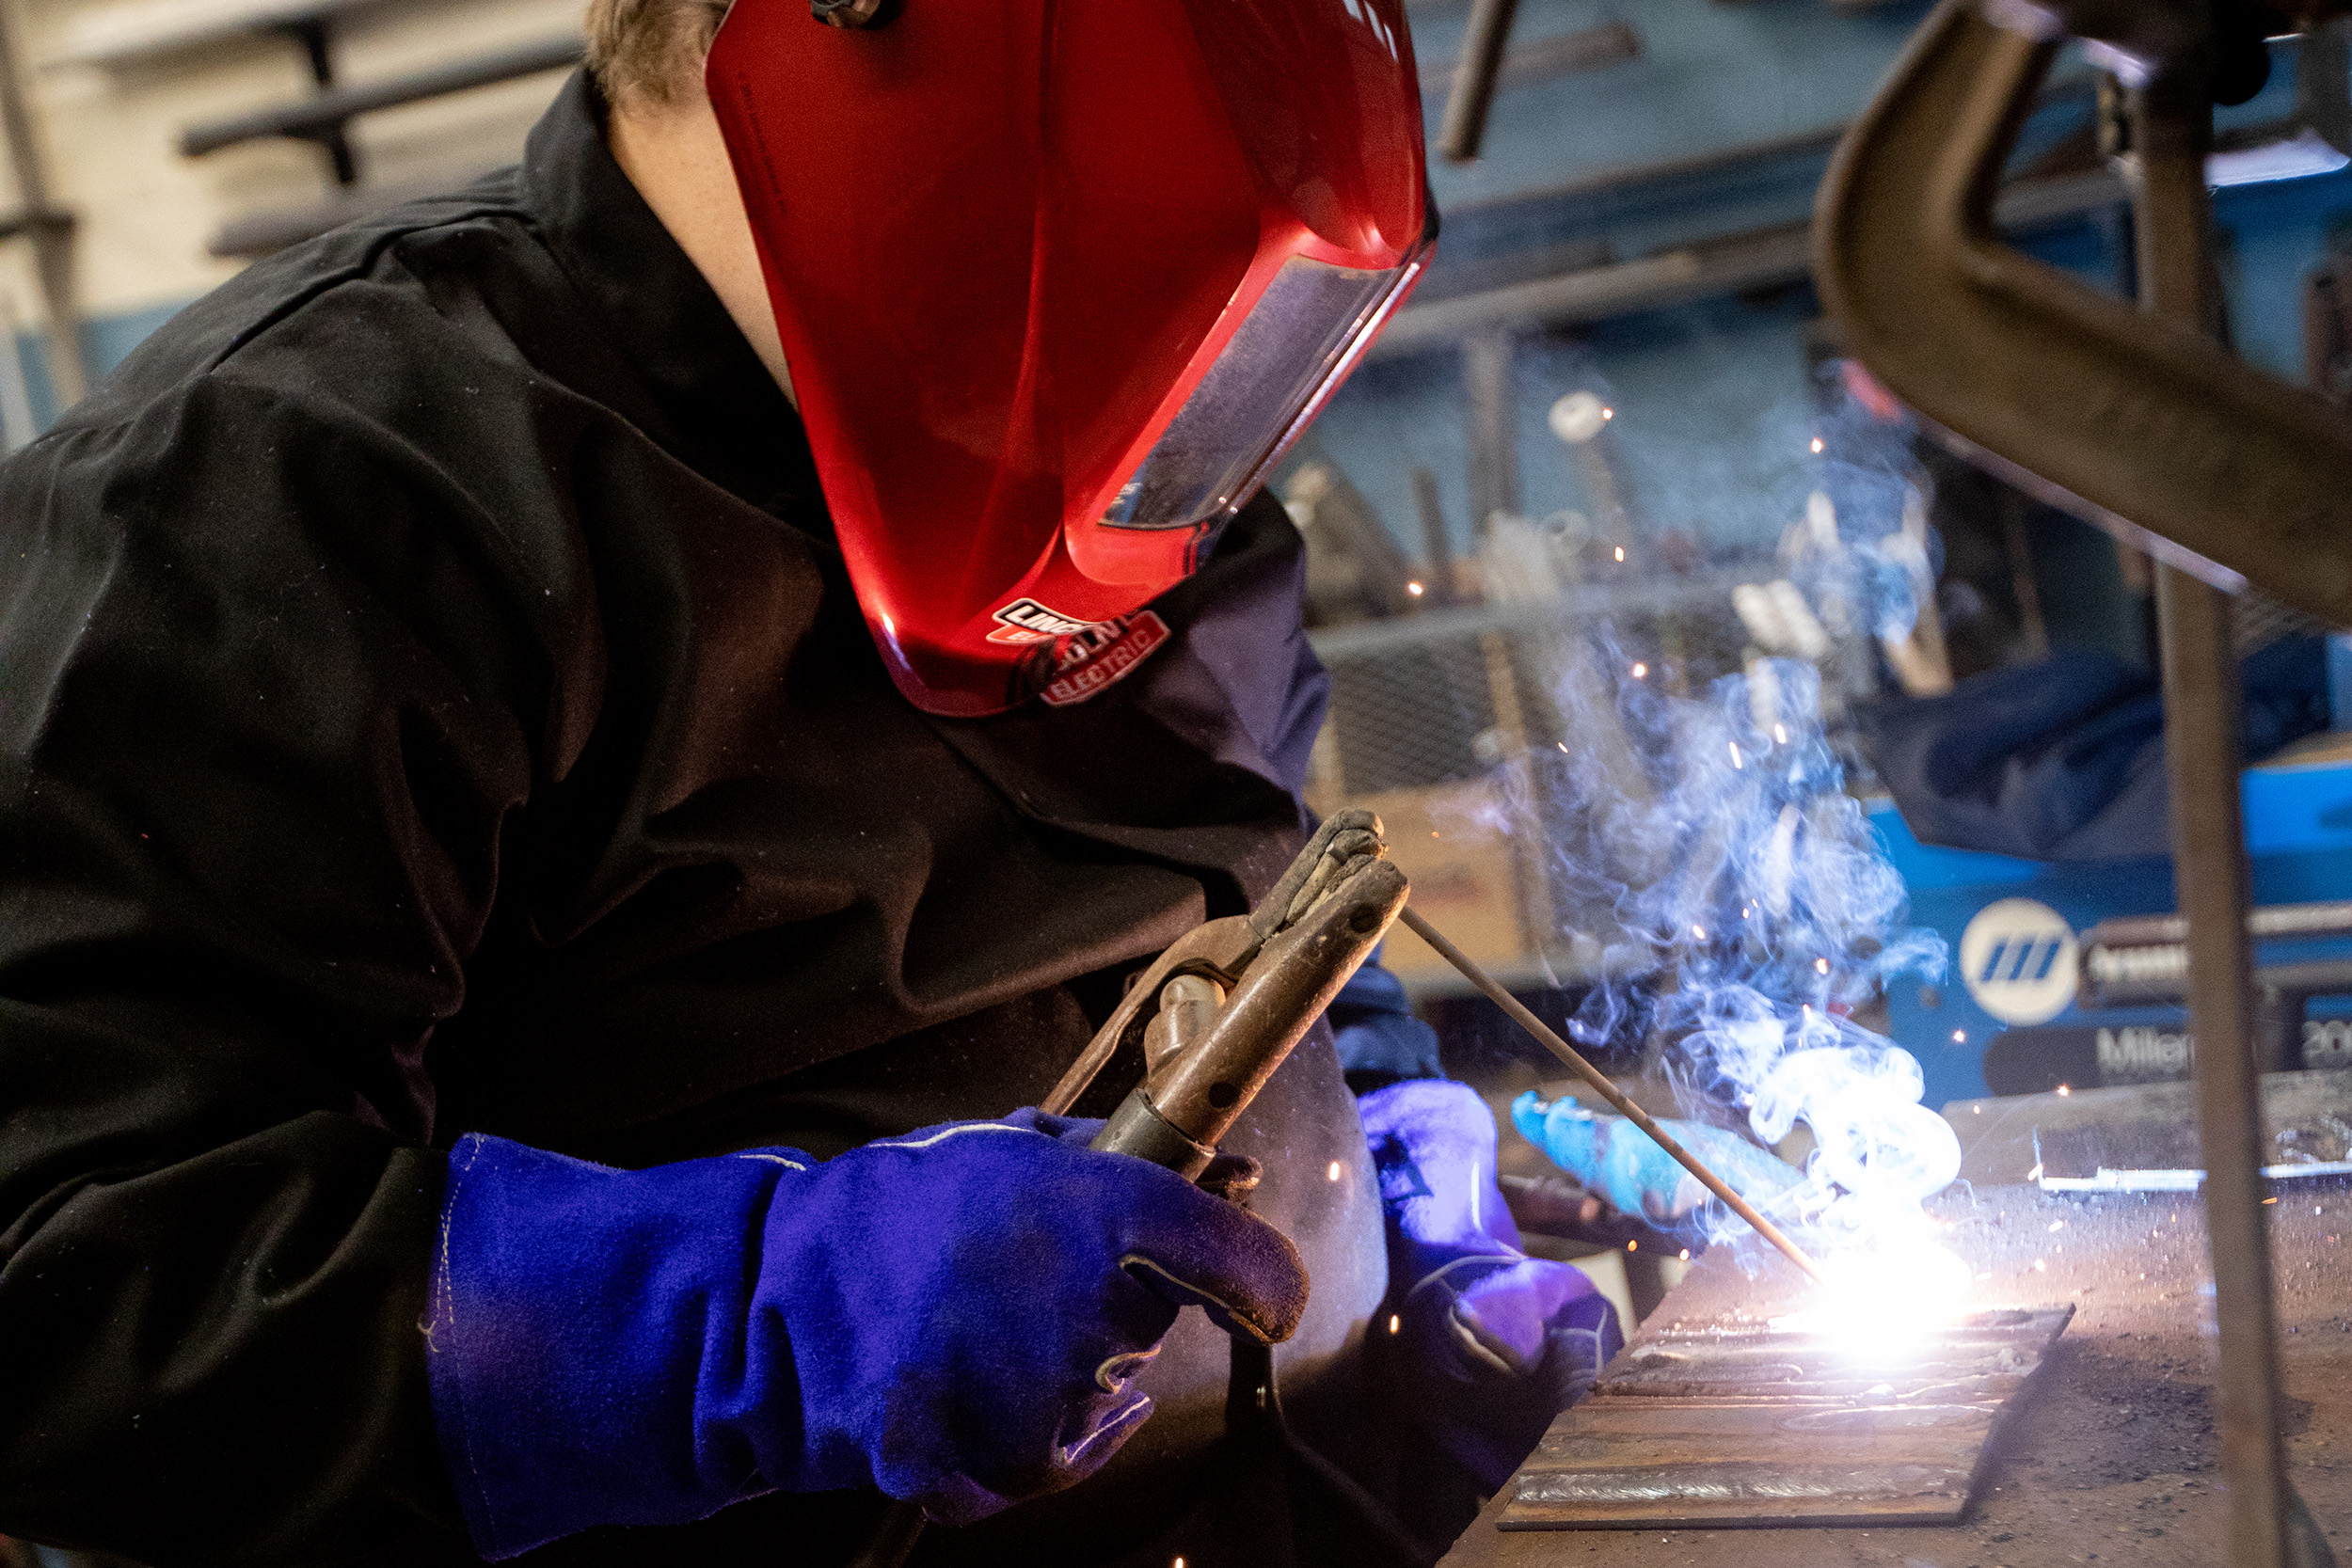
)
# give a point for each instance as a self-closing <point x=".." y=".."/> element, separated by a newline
<point x="1496" y="1342"/>
<point x="954" y="1317"/>
<point x="1617" y="1161"/>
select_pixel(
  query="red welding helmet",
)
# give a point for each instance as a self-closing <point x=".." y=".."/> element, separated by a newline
<point x="1057" y="282"/>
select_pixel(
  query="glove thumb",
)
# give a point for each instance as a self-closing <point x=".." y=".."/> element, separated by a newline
<point x="1198" y="1250"/>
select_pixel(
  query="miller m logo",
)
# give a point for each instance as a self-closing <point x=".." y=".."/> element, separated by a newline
<point x="2027" y="958"/>
<point x="2018" y="959"/>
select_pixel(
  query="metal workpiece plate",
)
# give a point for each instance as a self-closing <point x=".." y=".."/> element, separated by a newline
<point x="1983" y="1357"/>
<point x="1715" y="1466"/>
<point x="1745" y="1426"/>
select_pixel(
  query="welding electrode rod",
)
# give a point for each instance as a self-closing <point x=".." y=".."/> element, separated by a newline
<point x="1608" y="1091"/>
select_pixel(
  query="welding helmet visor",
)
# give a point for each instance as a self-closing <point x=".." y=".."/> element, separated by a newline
<point x="1057" y="284"/>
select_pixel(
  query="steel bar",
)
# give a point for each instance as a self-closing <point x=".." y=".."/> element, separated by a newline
<point x="2171" y="126"/>
<point x="1607" y="1090"/>
<point x="126" y="34"/>
<point x="326" y="114"/>
<point x="1474" y="75"/>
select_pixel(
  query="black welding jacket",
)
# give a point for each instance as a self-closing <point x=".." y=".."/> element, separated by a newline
<point x="431" y="701"/>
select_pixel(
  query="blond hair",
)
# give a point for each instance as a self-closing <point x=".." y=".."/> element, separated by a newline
<point x="651" y="51"/>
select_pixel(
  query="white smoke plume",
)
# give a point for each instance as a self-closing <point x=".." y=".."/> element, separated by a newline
<point x="1742" y="908"/>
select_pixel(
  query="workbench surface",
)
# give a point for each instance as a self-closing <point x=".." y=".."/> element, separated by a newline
<point x="2111" y="1455"/>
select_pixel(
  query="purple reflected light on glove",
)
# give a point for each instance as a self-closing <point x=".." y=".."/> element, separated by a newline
<point x="1498" y="1342"/>
<point x="955" y="1316"/>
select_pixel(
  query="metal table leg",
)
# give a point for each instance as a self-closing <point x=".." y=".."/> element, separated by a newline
<point x="2268" y="1529"/>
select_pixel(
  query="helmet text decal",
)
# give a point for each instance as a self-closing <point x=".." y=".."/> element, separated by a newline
<point x="1094" y="658"/>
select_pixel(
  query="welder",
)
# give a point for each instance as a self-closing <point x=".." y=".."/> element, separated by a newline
<point x="570" y="754"/>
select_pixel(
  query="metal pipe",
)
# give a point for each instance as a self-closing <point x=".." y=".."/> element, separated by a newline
<point x="1464" y="127"/>
<point x="1608" y="1090"/>
<point x="2171" y="127"/>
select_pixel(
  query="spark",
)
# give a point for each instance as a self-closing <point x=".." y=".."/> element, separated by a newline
<point x="1686" y="1251"/>
<point x="2035" y="1174"/>
<point x="2058" y="1225"/>
<point x="1634" y="1246"/>
<point x="1563" y="745"/>
<point x="1699" y="931"/>
<point x="2269" y="1201"/>
<point x="1780" y="733"/>
<point x="2064" y="1090"/>
<point x="1821" y="965"/>
<point x="1641" y="672"/>
<point x="1332" y="1172"/>
<point x="1620" y="552"/>
<point x="1396" y="1325"/>
<point x="1608" y="413"/>
<point x="1816" y="445"/>
<point x="2040" y="1267"/>
<point x="1735" y="755"/>
<point x="1415" y="588"/>
<point x="1960" y="1037"/>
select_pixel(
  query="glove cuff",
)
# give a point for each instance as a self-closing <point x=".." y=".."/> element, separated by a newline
<point x="585" y="1336"/>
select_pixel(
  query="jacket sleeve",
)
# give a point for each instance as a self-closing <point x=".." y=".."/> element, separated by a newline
<point x="257" y="735"/>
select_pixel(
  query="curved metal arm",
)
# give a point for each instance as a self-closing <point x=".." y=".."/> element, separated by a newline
<point x="2135" y="422"/>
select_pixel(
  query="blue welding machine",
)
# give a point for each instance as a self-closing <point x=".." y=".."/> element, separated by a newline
<point x="2058" y="977"/>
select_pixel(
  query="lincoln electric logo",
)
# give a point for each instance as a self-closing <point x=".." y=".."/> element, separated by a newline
<point x="2018" y="957"/>
<point x="1103" y="655"/>
<point x="1027" y="621"/>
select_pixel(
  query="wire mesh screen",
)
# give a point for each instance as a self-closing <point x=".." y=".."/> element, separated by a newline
<point x="1404" y="717"/>
<point x="1440" y="722"/>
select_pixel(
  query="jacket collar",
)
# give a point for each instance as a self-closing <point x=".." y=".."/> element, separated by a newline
<point x="725" y="415"/>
